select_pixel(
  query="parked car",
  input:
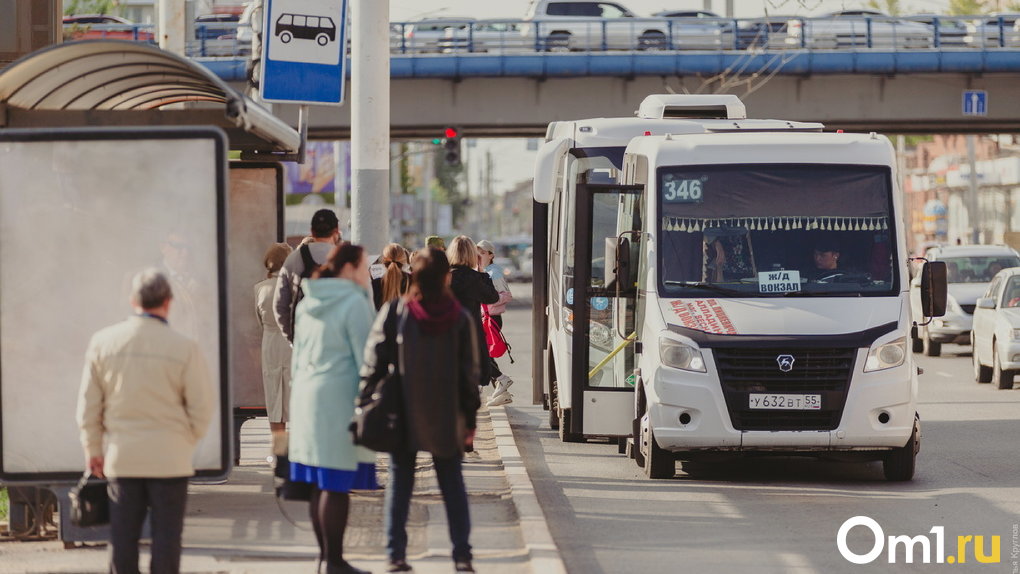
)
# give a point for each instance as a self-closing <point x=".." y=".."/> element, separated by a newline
<point x="949" y="31"/>
<point x="484" y="36"/>
<point x="994" y="31"/>
<point x="857" y="29"/>
<point x="996" y="334"/>
<point x="564" y="26"/>
<point x="423" y="36"/>
<point x="697" y="29"/>
<point x="970" y="269"/>
<point x="212" y="26"/>
<point x="762" y="33"/>
<point x="104" y="26"/>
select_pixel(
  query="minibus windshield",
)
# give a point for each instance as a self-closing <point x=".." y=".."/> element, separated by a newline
<point x="757" y="230"/>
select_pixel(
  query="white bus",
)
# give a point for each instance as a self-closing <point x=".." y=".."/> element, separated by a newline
<point x="711" y="323"/>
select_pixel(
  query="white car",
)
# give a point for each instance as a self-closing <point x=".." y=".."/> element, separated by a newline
<point x="994" y="31"/>
<point x="996" y="333"/>
<point x="424" y="36"/>
<point x="495" y="36"/>
<point x="564" y="26"/>
<point x="858" y="29"/>
<point x="970" y="270"/>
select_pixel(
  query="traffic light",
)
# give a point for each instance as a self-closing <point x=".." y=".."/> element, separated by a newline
<point x="452" y="146"/>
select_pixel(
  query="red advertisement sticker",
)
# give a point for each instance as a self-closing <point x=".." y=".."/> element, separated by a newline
<point x="704" y="315"/>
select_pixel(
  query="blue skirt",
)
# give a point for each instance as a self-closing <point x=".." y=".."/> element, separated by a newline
<point x="335" y="480"/>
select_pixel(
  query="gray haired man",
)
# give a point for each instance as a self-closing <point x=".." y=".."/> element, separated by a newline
<point x="146" y="390"/>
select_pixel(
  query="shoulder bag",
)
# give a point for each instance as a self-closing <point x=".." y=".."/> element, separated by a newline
<point x="378" y="422"/>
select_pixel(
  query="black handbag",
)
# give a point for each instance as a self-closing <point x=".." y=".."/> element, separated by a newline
<point x="90" y="502"/>
<point x="378" y="422"/>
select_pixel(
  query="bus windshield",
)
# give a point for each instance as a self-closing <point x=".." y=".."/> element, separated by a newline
<point x="761" y="230"/>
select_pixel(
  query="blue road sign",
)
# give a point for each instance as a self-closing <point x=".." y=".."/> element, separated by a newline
<point x="975" y="103"/>
<point x="303" y="51"/>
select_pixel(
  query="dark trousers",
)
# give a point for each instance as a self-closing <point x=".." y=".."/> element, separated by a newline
<point x="494" y="372"/>
<point x="398" y="504"/>
<point x="130" y="500"/>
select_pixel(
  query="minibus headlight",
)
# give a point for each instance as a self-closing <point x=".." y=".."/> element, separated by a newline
<point x="680" y="356"/>
<point x="886" y="356"/>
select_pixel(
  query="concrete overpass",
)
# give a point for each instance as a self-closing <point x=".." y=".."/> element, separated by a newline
<point x="497" y="95"/>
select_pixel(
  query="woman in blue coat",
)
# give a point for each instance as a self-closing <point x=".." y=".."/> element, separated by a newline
<point x="332" y="323"/>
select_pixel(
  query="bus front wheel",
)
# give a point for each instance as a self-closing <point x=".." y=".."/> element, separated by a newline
<point x="554" y="407"/>
<point x="286" y="37"/>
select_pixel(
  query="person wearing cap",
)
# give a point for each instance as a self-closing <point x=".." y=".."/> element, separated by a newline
<point x="501" y="382"/>
<point x="326" y="235"/>
<point x="275" y="348"/>
<point x="826" y="258"/>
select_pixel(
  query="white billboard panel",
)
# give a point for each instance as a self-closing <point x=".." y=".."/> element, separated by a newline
<point x="255" y="205"/>
<point x="81" y="211"/>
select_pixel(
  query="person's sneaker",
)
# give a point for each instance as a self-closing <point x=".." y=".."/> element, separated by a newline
<point x="500" y="399"/>
<point x="463" y="566"/>
<point x="399" y="566"/>
<point x="501" y="386"/>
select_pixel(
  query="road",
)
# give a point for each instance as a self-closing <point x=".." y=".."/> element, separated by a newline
<point x="779" y="515"/>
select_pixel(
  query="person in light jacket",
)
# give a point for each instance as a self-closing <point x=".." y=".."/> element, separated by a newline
<point x="501" y="381"/>
<point x="438" y="366"/>
<point x="472" y="287"/>
<point x="275" y="347"/>
<point x="332" y="324"/>
<point x="147" y="391"/>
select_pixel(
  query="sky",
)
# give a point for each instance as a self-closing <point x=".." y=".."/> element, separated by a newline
<point x="515" y="161"/>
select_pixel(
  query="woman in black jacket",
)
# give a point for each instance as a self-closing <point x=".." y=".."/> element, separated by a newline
<point x="472" y="287"/>
<point x="437" y="363"/>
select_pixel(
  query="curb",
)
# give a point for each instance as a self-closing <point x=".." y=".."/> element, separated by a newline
<point x="542" y="550"/>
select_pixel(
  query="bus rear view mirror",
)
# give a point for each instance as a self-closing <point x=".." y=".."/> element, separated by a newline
<point x="617" y="264"/>
<point x="934" y="288"/>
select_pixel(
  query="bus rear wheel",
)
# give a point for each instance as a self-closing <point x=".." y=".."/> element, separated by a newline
<point x="322" y="39"/>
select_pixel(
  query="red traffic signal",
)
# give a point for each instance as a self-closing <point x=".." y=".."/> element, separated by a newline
<point x="451" y="133"/>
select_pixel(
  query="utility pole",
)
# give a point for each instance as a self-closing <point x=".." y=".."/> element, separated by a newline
<point x="707" y="5"/>
<point x="370" y="124"/>
<point x="729" y="8"/>
<point x="973" y="205"/>
<point x="171" y="26"/>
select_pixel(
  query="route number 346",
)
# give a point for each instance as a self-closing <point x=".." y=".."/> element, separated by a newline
<point x="682" y="191"/>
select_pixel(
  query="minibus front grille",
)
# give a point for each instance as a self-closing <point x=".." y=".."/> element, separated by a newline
<point x="820" y="371"/>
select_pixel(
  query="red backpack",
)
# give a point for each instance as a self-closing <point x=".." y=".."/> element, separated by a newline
<point x="494" y="339"/>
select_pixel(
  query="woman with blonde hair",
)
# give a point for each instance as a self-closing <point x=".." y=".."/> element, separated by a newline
<point x="472" y="287"/>
<point x="395" y="279"/>
<point x="275" y="348"/>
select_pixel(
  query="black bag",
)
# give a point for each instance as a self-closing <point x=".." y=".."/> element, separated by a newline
<point x="309" y="267"/>
<point x="288" y="489"/>
<point x="90" y="502"/>
<point x="378" y="422"/>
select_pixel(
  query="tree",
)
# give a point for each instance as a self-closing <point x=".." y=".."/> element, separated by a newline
<point x="891" y="7"/>
<point x="966" y="7"/>
<point x="111" y="7"/>
<point x="446" y="187"/>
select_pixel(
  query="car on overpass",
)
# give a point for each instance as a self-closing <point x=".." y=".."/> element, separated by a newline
<point x="858" y="29"/>
<point x="564" y="26"/>
<point x="697" y="29"/>
<point x="994" y="31"/>
<point x="492" y="36"/>
<point x="423" y="36"/>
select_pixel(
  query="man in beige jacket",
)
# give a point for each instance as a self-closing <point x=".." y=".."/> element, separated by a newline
<point x="146" y="390"/>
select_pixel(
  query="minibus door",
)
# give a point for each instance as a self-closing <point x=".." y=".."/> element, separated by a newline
<point x="602" y="349"/>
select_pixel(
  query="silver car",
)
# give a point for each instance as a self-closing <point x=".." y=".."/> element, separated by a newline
<point x="996" y="333"/>
<point x="970" y="270"/>
<point x="859" y="29"/>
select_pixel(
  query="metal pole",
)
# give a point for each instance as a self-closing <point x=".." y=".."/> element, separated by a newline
<point x="370" y="124"/>
<point x="171" y="26"/>
<point x="707" y="5"/>
<point x="729" y="8"/>
<point x="973" y="204"/>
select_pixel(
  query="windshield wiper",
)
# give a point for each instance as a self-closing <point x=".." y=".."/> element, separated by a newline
<point x="823" y="294"/>
<point x="708" y="287"/>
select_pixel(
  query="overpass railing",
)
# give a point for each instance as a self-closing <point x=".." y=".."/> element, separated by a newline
<point x="435" y="38"/>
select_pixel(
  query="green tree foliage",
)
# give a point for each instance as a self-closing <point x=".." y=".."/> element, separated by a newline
<point x="892" y="7"/>
<point x="111" y="7"/>
<point x="965" y="7"/>
<point x="406" y="181"/>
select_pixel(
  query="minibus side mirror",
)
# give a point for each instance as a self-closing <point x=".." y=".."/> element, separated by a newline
<point x="934" y="288"/>
<point x="617" y="264"/>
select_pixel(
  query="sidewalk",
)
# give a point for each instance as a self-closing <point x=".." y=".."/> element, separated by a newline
<point x="238" y="527"/>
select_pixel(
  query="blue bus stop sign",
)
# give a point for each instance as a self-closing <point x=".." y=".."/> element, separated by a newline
<point x="304" y="43"/>
<point x="975" y="103"/>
